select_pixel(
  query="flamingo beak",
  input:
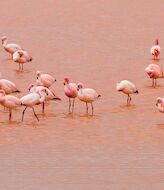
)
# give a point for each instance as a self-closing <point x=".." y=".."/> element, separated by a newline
<point x="46" y="92"/>
<point x="64" y="82"/>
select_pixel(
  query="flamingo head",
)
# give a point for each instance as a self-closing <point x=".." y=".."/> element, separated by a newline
<point x="159" y="101"/>
<point x="44" y="91"/>
<point x="2" y="92"/>
<point x="3" y="38"/>
<point x="66" y="80"/>
<point x="20" y="53"/>
<point x="38" y="73"/>
<point x="31" y="86"/>
<point x="150" y="72"/>
<point x="80" y="86"/>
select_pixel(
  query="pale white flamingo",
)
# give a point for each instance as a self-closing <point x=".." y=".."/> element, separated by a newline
<point x="155" y="50"/>
<point x="154" y="71"/>
<point x="128" y="88"/>
<point x="8" y="86"/>
<point x="87" y="95"/>
<point x="51" y="95"/>
<point x="10" y="47"/>
<point x="32" y="99"/>
<point x="45" y="80"/>
<point x="70" y="90"/>
<point x="21" y="57"/>
<point x="9" y="101"/>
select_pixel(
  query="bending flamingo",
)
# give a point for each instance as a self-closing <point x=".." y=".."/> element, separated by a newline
<point x="32" y="99"/>
<point x="45" y="80"/>
<point x="154" y="71"/>
<point x="21" y="57"/>
<point x="128" y="88"/>
<point x="51" y="95"/>
<point x="9" y="101"/>
<point x="155" y="50"/>
<point x="70" y="90"/>
<point x="11" y="47"/>
<point x="8" y="86"/>
<point x="87" y="95"/>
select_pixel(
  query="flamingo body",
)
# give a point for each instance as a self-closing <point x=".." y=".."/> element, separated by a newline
<point x="8" y="86"/>
<point x="45" y="80"/>
<point x="9" y="101"/>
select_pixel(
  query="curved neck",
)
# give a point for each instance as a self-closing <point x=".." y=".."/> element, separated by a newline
<point x="42" y="96"/>
<point x="2" y="99"/>
<point x="4" y="43"/>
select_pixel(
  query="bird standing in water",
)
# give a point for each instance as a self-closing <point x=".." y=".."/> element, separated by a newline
<point x="128" y="88"/>
<point x="87" y="95"/>
<point x="70" y="90"/>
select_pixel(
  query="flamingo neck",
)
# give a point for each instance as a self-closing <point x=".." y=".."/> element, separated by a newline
<point x="2" y="99"/>
<point x="4" y="43"/>
<point x="42" y="97"/>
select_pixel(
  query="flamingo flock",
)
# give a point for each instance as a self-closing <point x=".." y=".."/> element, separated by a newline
<point x="40" y="92"/>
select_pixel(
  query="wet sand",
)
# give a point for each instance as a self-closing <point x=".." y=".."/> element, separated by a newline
<point x="98" y="43"/>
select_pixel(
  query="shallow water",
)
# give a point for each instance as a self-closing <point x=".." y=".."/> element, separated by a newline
<point x="98" y="43"/>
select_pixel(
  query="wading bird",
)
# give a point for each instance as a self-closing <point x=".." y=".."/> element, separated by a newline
<point x="128" y="88"/>
<point x="87" y="95"/>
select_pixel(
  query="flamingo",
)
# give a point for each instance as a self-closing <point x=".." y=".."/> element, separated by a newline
<point x="87" y="95"/>
<point x="10" y="48"/>
<point x="21" y="57"/>
<point x="51" y="95"/>
<point x="128" y="88"/>
<point x="160" y="104"/>
<point x="8" y="86"/>
<point x="32" y="99"/>
<point x="155" y="50"/>
<point x="45" y="80"/>
<point x="70" y="90"/>
<point x="154" y="71"/>
<point x="9" y="101"/>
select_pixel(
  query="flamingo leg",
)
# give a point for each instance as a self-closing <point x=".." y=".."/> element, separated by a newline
<point x="22" y="67"/>
<point x="87" y="107"/>
<point x="152" y="82"/>
<point x="73" y="103"/>
<point x="19" y="67"/>
<point x="35" y="114"/>
<point x="129" y="99"/>
<point x="155" y="82"/>
<point x="69" y="106"/>
<point x="23" y="113"/>
<point x="92" y="108"/>
<point x="10" y="114"/>
<point x="43" y="106"/>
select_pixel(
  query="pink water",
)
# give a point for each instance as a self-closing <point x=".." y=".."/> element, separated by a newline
<point x="98" y="43"/>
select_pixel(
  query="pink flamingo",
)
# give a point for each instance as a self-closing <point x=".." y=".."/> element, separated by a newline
<point x="45" y="80"/>
<point x="21" y="57"/>
<point x="160" y="104"/>
<point x="8" y="86"/>
<point x="9" y="101"/>
<point x="51" y="95"/>
<point x="87" y="95"/>
<point x="10" y="48"/>
<point x="32" y="99"/>
<point x="154" y="71"/>
<point x="128" y="88"/>
<point x="70" y="90"/>
<point x="155" y="50"/>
